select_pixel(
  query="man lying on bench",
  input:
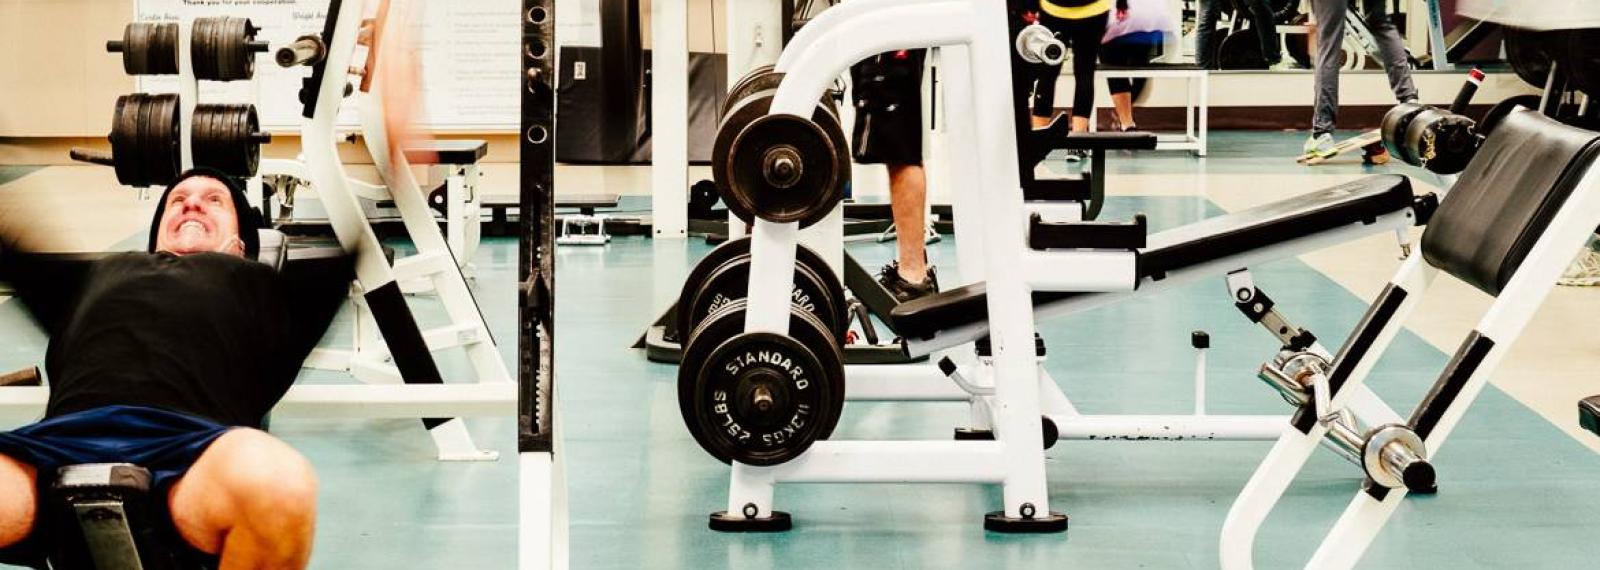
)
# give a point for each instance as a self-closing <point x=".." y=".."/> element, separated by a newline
<point x="171" y="360"/>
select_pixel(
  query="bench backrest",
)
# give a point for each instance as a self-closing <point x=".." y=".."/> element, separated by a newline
<point x="1506" y="197"/>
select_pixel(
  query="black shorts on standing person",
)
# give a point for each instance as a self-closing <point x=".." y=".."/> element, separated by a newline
<point x="887" y="92"/>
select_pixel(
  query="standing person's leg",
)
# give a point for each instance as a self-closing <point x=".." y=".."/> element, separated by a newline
<point x="1085" y="35"/>
<point x="250" y="499"/>
<point x="18" y="500"/>
<point x="1206" y="18"/>
<point x="1120" y="52"/>
<point x="1392" y="48"/>
<point x="1043" y="101"/>
<point x="908" y="199"/>
<point x="1266" y="30"/>
<point x="1329" y="15"/>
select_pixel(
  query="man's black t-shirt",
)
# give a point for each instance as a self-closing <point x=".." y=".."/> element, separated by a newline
<point x="206" y="334"/>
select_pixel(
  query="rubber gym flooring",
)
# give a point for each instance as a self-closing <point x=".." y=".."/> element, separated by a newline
<point x="1519" y="483"/>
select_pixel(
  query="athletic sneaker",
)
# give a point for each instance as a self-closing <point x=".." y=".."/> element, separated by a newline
<point x="1584" y="271"/>
<point x="904" y="290"/>
<point x="1284" y="65"/>
<point x="1319" y="144"/>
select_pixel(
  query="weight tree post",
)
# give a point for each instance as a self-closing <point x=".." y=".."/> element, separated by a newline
<point x="542" y="526"/>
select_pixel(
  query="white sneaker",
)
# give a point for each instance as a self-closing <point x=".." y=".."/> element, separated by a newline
<point x="1320" y="145"/>
<point x="1584" y="271"/>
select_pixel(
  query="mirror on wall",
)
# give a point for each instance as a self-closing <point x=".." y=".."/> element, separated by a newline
<point x="1225" y="34"/>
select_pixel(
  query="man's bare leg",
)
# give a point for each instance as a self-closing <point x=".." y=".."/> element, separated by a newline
<point x="251" y="499"/>
<point x="18" y="500"/>
<point x="908" y="198"/>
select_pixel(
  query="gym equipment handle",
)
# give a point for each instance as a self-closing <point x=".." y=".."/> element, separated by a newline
<point x="99" y="157"/>
<point x="306" y="50"/>
<point x="1036" y="44"/>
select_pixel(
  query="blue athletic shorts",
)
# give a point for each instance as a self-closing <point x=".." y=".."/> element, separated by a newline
<point x="167" y="443"/>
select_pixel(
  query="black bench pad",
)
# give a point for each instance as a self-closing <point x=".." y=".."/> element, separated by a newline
<point x="1506" y="198"/>
<point x="1589" y="414"/>
<point x="443" y="151"/>
<point x="588" y="201"/>
<point x="1361" y="201"/>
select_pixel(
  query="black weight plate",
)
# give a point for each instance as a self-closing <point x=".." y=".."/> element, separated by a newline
<point x="252" y="149"/>
<point x="169" y="49"/>
<point x="167" y="128"/>
<point x="714" y="260"/>
<point x="1583" y="60"/>
<point x="803" y="369"/>
<point x="124" y="129"/>
<point x="1531" y="52"/>
<point x="136" y="40"/>
<point x="202" y="55"/>
<point x="1394" y="126"/>
<point x="756" y="80"/>
<point x="745" y="135"/>
<point x="730" y="281"/>
<point x="203" y="135"/>
<point x="1241" y="50"/>
<point x="1499" y="111"/>
<point x="149" y="143"/>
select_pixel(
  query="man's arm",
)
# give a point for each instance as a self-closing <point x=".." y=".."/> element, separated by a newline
<point x="48" y="285"/>
<point x="315" y="289"/>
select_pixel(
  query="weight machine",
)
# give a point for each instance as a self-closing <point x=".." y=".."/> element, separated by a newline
<point x="400" y="381"/>
<point x="774" y="431"/>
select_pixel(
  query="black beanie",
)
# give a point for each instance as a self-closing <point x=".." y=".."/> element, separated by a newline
<point x="250" y="222"/>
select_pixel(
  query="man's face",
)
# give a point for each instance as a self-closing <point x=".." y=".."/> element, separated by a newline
<point x="200" y="217"/>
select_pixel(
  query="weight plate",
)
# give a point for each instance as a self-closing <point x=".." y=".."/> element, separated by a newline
<point x="1394" y="126"/>
<point x="702" y="272"/>
<point x="730" y="281"/>
<point x="1530" y="52"/>
<point x="167" y="141"/>
<point x="247" y="140"/>
<point x="780" y="168"/>
<point x="124" y="129"/>
<point x="758" y="79"/>
<point x="1583" y="60"/>
<point x="760" y="398"/>
<point x="1241" y="50"/>
<point x="149" y="142"/>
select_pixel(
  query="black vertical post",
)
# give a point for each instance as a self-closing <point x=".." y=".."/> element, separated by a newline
<point x="536" y="244"/>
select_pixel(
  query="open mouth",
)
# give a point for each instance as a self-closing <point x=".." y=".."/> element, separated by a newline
<point x="192" y="225"/>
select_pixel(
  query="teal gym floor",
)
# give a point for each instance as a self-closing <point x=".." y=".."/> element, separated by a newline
<point x="1517" y="490"/>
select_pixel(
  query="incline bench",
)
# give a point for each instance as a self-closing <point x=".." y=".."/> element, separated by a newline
<point x="453" y="179"/>
<point x="1208" y="248"/>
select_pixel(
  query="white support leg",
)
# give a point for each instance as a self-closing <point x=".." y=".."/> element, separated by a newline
<point x="669" y="104"/>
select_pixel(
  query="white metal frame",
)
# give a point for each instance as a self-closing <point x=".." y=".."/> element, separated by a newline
<point x="383" y="394"/>
<point x="1504" y="321"/>
<point x="1196" y="106"/>
<point x="1007" y="391"/>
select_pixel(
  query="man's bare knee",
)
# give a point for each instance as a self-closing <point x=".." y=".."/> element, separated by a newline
<point x="18" y="500"/>
<point x="249" y="494"/>
<point x="269" y="480"/>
